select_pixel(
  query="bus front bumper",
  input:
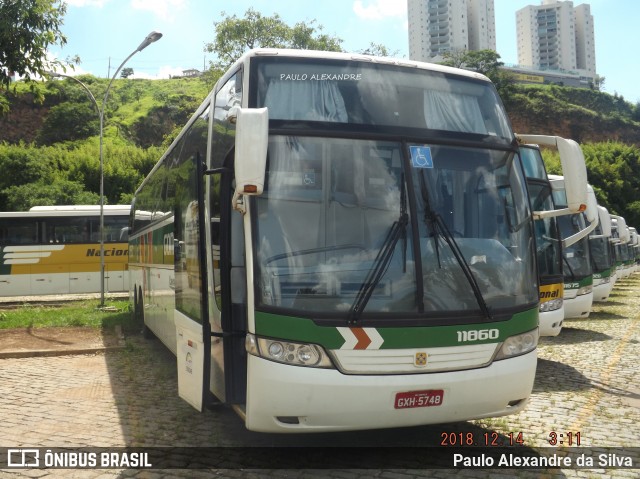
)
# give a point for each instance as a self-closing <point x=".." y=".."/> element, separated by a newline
<point x="290" y="399"/>
<point x="602" y="291"/>
<point x="551" y="322"/>
<point x="578" y="306"/>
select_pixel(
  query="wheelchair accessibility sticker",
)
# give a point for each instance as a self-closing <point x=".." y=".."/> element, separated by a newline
<point x="421" y="157"/>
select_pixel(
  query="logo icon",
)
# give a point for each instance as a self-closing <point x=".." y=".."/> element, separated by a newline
<point x="421" y="157"/>
<point x="420" y="359"/>
<point x="23" y="458"/>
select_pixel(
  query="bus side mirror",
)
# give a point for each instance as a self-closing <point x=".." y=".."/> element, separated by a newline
<point x="605" y="221"/>
<point x="623" y="230"/>
<point x="574" y="171"/>
<point x="574" y="168"/>
<point x="252" y="134"/>
<point x="592" y="206"/>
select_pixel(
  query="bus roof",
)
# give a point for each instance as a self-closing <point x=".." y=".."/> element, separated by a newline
<point x="290" y="53"/>
<point x="68" y="210"/>
<point x="86" y="208"/>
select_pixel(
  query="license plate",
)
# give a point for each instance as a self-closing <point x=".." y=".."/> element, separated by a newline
<point x="426" y="398"/>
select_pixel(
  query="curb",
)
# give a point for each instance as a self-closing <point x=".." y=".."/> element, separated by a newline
<point x="66" y="352"/>
<point x="57" y="352"/>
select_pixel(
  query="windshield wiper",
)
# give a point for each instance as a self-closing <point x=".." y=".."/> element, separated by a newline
<point x="566" y="262"/>
<point x="439" y="228"/>
<point x="383" y="259"/>
<point x="464" y="265"/>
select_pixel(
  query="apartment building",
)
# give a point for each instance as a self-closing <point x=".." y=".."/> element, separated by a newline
<point x="556" y="36"/>
<point x="440" y="26"/>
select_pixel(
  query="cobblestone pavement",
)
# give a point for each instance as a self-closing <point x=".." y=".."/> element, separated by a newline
<point x="586" y="384"/>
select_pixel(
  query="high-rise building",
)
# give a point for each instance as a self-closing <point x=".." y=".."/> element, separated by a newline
<point x="440" y="26"/>
<point x="556" y="36"/>
<point x="585" y="40"/>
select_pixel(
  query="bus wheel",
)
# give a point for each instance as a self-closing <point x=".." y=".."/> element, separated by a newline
<point x="146" y="332"/>
<point x="134" y="309"/>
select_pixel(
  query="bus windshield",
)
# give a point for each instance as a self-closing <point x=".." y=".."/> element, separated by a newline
<point x="576" y="258"/>
<point x="546" y="229"/>
<point x="377" y="95"/>
<point x="459" y="216"/>
<point x="547" y="233"/>
<point x="601" y="255"/>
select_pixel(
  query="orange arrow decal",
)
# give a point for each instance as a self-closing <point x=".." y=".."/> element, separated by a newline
<point x="363" y="338"/>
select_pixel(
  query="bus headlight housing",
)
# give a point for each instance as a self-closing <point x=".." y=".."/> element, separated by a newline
<point x="288" y="352"/>
<point x="551" y="305"/>
<point x="584" y="290"/>
<point x="519" y="344"/>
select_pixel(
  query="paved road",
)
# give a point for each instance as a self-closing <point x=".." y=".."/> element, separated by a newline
<point x="587" y="383"/>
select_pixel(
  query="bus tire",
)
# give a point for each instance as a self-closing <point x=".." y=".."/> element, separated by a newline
<point x="146" y="332"/>
<point x="134" y="310"/>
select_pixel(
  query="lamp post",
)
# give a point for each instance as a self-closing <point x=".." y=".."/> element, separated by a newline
<point x="152" y="37"/>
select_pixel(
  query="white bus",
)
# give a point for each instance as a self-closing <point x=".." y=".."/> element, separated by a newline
<point x="577" y="265"/>
<point x="634" y="245"/>
<point x="624" y="252"/>
<point x="547" y="231"/>
<point x="365" y="250"/>
<point x="56" y="250"/>
<point x="602" y="257"/>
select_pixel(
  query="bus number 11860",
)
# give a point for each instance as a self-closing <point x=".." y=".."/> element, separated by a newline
<point x="477" y="335"/>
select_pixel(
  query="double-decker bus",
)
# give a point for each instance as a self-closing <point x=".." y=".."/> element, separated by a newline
<point x="57" y="250"/>
<point x="547" y="231"/>
<point x="364" y="248"/>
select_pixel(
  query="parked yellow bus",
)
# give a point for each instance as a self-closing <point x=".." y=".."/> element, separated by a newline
<point x="56" y="250"/>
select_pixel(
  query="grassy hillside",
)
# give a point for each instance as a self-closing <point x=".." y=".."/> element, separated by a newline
<point x="586" y="116"/>
<point x="142" y="112"/>
<point x="59" y="135"/>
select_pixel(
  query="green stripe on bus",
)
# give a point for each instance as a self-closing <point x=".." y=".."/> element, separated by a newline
<point x="587" y="281"/>
<point x="603" y="274"/>
<point x="305" y="330"/>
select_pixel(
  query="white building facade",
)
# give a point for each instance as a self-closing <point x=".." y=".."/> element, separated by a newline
<point x="440" y="26"/>
<point x="557" y="36"/>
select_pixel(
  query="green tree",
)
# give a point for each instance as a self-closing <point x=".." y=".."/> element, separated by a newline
<point x="69" y="121"/>
<point x="60" y="192"/>
<point x="454" y="58"/>
<point x="378" y="50"/>
<point x="486" y="62"/>
<point x="27" y="29"/>
<point x="614" y="173"/>
<point x="126" y="72"/>
<point x="307" y="36"/>
<point x="21" y="164"/>
<point x="233" y="36"/>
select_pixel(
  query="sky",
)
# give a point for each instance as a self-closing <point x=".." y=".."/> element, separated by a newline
<point x="104" y="32"/>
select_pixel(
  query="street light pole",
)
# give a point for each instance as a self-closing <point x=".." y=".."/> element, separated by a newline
<point x="85" y="87"/>
<point x="152" y="37"/>
<point x="149" y="39"/>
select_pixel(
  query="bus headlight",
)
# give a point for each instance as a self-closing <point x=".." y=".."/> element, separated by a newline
<point x="519" y="344"/>
<point x="288" y="352"/>
<point x="584" y="290"/>
<point x="551" y="305"/>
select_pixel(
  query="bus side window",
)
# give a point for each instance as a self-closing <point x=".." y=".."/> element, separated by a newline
<point x="229" y="95"/>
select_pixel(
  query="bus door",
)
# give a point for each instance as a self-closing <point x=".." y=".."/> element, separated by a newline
<point x="227" y="273"/>
<point x="191" y="315"/>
